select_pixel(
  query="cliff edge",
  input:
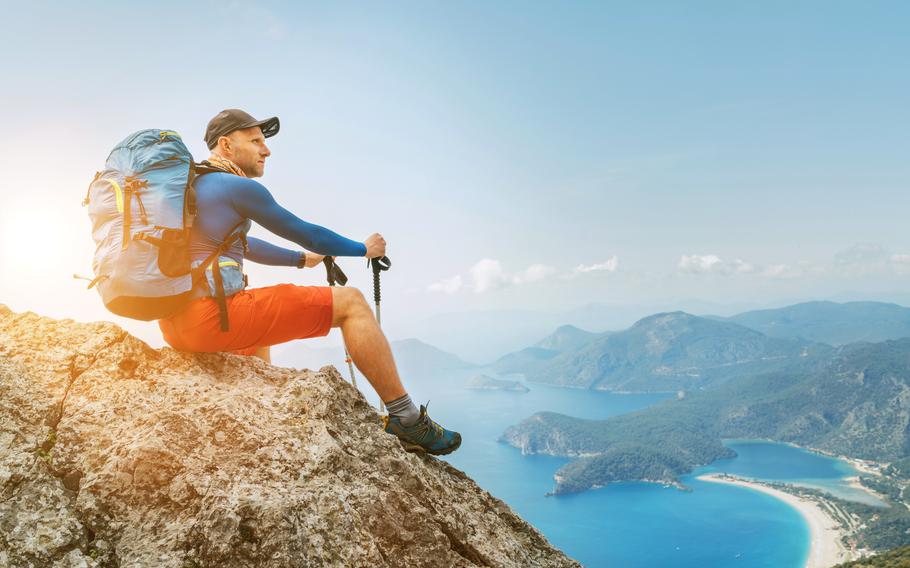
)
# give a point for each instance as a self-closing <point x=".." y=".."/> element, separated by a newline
<point x="116" y="454"/>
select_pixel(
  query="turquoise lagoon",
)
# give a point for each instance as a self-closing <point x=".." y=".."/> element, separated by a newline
<point x="630" y="525"/>
<point x="768" y="461"/>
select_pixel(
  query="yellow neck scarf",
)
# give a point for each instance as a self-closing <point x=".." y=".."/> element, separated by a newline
<point x="224" y="164"/>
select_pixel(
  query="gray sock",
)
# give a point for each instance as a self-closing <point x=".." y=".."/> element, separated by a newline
<point x="403" y="409"/>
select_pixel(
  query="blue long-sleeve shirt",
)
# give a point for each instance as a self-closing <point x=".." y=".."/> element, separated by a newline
<point x="225" y="200"/>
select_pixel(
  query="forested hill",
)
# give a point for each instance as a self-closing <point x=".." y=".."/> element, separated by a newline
<point x="668" y="352"/>
<point x="853" y="401"/>
<point x="830" y="322"/>
<point x="897" y="558"/>
<point x="565" y="339"/>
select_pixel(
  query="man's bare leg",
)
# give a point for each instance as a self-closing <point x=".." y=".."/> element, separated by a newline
<point x="370" y="350"/>
<point x="366" y="343"/>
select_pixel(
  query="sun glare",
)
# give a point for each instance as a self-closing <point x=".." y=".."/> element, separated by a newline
<point x="41" y="248"/>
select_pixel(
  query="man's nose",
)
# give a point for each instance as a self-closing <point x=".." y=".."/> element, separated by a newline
<point x="265" y="152"/>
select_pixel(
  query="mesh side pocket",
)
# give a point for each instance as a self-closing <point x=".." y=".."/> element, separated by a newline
<point x="173" y="254"/>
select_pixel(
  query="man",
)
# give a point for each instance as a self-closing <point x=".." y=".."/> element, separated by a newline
<point x="260" y="317"/>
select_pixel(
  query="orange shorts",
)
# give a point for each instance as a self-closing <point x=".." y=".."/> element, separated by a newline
<point x="258" y="317"/>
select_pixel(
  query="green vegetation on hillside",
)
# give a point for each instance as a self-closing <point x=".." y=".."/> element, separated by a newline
<point x="854" y="403"/>
<point x="896" y="558"/>
<point x="644" y="447"/>
<point x="667" y="352"/>
<point x="880" y="528"/>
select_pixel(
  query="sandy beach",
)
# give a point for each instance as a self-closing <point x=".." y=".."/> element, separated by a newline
<point x="825" y="548"/>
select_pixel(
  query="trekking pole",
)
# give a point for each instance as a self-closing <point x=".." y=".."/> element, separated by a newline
<point x="333" y="274"/>
<point x="378" y="265"/>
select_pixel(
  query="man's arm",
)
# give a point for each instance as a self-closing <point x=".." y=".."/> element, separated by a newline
<point x="253" y="201"/>
<point x="266" y="253"/>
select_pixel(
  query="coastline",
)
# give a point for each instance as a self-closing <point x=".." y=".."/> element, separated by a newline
<point x="826" y="547"/>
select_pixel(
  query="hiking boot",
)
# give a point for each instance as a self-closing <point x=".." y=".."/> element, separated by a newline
<point x="425" y="435"/>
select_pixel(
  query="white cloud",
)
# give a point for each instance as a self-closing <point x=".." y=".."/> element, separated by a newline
<point x="487" y="275"/>
<point x="864" y="259"/>
<point x="861" y="259"/>
<point x="743" y="267"/>
<point x="900" y="263"/>
<point x="713" y="264"/>
<point x="533" y="273"/>
<point x="447" y="285"/>
<point x="610" y="265"/>
<point x="701" y="264"/>
<point x="860" y="253"/>
<point x="780" y="271"/>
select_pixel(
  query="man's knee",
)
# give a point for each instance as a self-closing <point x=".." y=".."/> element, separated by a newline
<point x="347" y="302"/>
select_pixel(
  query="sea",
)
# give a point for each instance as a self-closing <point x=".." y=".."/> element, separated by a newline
<point x="631" y="525"/>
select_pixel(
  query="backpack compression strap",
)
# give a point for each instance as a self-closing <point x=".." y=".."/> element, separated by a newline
<point x="213" y="259"/>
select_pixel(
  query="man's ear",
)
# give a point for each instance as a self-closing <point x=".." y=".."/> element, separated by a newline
<point x="224" y="144"/>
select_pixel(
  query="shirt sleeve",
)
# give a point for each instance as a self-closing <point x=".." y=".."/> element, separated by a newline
<point x="252" y="200"/>
<point x="266" y="253"/>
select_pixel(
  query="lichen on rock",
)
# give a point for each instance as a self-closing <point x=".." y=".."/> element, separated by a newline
<point x="116" y="454"/>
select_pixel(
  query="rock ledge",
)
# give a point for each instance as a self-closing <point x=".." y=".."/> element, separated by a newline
<point x="116" y="454"/>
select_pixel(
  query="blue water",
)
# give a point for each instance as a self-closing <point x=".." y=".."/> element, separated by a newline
<point x="630" y="525"/>
<point x="757" y="459"/>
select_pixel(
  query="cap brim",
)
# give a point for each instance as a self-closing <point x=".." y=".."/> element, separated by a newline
<point x="268" y="126"/>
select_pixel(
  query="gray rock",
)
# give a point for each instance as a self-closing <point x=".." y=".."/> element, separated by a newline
<point x="115" y="454"/>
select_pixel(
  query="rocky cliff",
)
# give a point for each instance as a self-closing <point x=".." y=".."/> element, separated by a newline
<point x="115" y="454"/>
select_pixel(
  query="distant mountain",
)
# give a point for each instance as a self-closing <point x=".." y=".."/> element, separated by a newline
<point x="484" y="382"/>
<point x="485" y="335"/>
<point x="566" y="338"/>
<point x="853" y="401"/>
<point x="667" y="352"/>
<point x="414" y="357"/>
<point x="830" y="322"/>
<point x="525" y="361"/>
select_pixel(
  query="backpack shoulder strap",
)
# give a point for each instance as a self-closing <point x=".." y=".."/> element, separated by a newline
<point x="206" y="167"/>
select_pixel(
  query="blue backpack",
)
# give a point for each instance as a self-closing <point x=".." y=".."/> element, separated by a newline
<point x="142" y="207"/>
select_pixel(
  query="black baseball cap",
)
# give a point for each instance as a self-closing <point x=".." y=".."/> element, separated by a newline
<point x="233" y="119"/>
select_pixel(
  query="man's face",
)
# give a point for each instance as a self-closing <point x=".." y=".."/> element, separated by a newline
<point x="247" y="149"/>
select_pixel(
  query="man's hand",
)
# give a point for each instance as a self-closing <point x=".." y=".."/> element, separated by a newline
<point x="375" y="246"/>
<point x="313" y="259"/>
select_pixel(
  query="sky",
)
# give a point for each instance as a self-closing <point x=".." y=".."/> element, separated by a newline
<point x="515" y="155"/>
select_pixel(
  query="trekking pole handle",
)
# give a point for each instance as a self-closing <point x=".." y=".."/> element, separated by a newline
<point x="329" y="265"/>
<point x="333" y="272"/>
<point x="380" y="264"/>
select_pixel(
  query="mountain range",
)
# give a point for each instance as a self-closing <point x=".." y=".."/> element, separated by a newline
<point x="566" y="339"/>
<point x="830" y="322"/>
<point x="664" y="352"/>
<point x="681" y="351"/>
<point x="853" y="400"/>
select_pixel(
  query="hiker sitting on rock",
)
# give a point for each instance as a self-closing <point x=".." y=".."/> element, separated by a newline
<point x="250" y="321"/>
